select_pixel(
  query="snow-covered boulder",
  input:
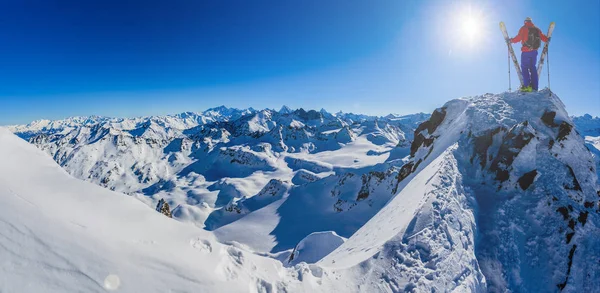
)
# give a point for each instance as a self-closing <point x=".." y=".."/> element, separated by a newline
<point x="315" y="246"/>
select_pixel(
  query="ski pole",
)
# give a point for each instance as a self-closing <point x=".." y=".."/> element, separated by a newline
<point x="548" y="60"/>
<point x="509" y="84"/>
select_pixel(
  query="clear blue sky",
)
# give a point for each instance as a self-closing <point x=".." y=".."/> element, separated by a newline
<point x="133" y="58"/>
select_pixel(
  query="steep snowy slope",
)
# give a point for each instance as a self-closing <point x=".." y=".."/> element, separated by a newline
<point x="505" y="197"/>
<point x="59" y="234"/>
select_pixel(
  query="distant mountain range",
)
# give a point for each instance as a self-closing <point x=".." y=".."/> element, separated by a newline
<point x="198" y="161"/>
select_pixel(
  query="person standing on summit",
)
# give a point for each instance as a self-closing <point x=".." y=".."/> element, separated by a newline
<point x="530" y="37"/>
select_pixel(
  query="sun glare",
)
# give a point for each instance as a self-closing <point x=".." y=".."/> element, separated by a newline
<point x="471" y="25"/>
<point x="470" y="28"/>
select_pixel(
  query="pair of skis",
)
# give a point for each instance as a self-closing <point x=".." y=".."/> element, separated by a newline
<point x="514" y="57"/>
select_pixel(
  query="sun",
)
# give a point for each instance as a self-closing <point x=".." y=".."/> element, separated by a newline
<point x="470" y="27"/>
<point x="471" y="24"/>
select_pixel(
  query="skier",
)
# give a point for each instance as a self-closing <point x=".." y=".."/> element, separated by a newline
<point x="530" y="37"/>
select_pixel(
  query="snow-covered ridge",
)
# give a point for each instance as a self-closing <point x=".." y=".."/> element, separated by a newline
<point x="500" y="193"/>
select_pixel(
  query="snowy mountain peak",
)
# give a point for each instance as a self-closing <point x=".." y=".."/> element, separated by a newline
<point x="588" y="125"/>
<point x="509" y="167"/>
<point x="222" y="111"/>
<point x="285" y="110"/>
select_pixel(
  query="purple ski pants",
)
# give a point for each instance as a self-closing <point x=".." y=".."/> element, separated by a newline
<point x="529" y="69"/>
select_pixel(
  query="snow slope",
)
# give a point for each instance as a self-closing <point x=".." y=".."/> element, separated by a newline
<point x="59" y="234"/>
<point x="315" y="246"/>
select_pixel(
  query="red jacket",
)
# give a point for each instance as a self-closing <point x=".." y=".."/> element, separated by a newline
<point x="524" y="35"/>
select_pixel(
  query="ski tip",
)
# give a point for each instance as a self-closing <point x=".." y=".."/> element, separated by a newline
<point x="552" y="23"/>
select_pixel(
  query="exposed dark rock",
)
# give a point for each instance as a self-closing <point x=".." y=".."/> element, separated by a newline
<point x="362" y="194"/>
<point x="367" y="178"/>
<point x="337" y="204"/>
<point x="564" y="212"/>
<point x="163" y="208"/>
<point x="502" y="175"/>
<point x="417" y="165"/>
<point x="429" y="153"/>
<point x="570" y="236"/>
<point x="548" y="118"/>
<point x="234" y="208"/>
<point x="588" y="204"/>
<point x="563" y="130"/>
<point x="561" y="286"/>
<point x="582" y="218"/>
<point x="550" y="144"/>
<point x="572" y="224"/>
<point x="434" y="121"/>
<point x="437" y="117"/>
<point x="482" y="143"/>
<point x="272" y="188"/>
<point x="404" y="172"/>
<point x="574" y="184"/>
<point x="418" y="141"/>
<point x="512" y="144"/>
<point x="527" y="179"/>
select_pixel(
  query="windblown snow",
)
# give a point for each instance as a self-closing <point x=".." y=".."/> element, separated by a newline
<point x="494" y="193"/>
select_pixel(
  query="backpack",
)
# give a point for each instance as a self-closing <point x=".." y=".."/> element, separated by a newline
<point x="534" y="40"/>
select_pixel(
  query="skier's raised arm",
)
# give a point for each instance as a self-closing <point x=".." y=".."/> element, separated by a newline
<point x="543" y="37"/>
<point x="521" y="36"/>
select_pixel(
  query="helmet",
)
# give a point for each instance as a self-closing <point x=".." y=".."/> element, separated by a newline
<point x="528" y="19"/>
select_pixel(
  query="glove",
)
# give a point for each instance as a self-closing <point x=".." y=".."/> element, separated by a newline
<point x="507" y="40"/>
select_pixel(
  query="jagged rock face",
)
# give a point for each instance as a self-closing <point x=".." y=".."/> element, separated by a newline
<point x="425" y="139"/>
<point x="163" y="208"/>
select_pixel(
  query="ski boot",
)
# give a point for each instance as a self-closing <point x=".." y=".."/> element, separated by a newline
<point x="526" y="89"/>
